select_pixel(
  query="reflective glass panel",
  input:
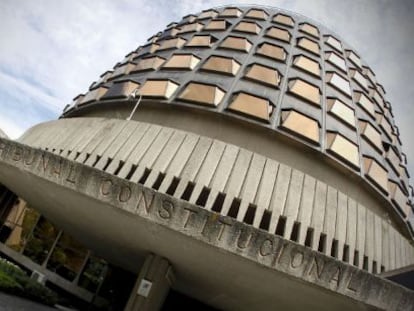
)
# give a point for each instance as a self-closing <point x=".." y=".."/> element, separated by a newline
<point x="376" y="173"/>
<point x="249" y="27"/>
<point x="257" y="14"/>
<point x="271" y="51"/>
<point x="333" y="42"/>
<point x="279" y="34"/>
<point x="263" y="74"/>
<point x="305" y="90"/>
<point x="309" y="29"/>
<point x="309" y="45"/>
<point x="251" y="105"/>
<point x="202" y="93"/>
<point x="284" y="20"/>
<point x="221" y="64"/>
<point x="342" y="147"/>
<point x="301" y="125"/>
<point x="339" y="83"/>
<point x="158" y="88"/>
<point x="337" y="61"/>
<point x="341" y="111"/>
<point x="307" y="64"/>
<point x="181" y="61"/>
<point x="236" y="43"/>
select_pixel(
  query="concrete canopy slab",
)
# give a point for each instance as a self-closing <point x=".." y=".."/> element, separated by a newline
<point x="216" y="258"/>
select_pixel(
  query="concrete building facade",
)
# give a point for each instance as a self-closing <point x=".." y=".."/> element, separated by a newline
<point x="241" y="150"/>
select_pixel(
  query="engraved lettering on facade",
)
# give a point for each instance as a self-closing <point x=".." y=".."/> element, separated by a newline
<point x="58" y="167"/>
<point x="266" y="248"/>
<point x="44" y="162"/>
<point x="166" y="209"/>
<point x="317" y="267"/>
<point x="271" y="247"/>
<point x="17" y="155"/>
<point x="71" y="176"/>
<point x="2" y="147"/>
<point x="223" y="227"/>
<point x="243" y="243"/>
<point x="124" y="194"/>
<point x="30" y="158"/>
<point x="106" y="187"/>
<point x="145" y="201"/>
<point x="279" y="253"/>
<point x="190" y="212"/>
<point x="203" y="231"/>
<point x="336" y="276"/>
<point x="352" y="285"/>
<point x="296" y="258"/>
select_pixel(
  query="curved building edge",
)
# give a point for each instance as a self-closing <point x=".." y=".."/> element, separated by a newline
<point x="260" y="255"/>
<point x="235" y="182"/>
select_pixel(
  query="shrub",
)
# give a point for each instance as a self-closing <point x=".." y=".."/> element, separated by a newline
<point x="9" y="285"/>
<point x="39" y="292"/>
<point x="11" y="269"/>
<point x="15" y="281"/>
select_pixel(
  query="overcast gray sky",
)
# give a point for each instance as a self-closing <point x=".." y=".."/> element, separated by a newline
<point x="51" y="51"/>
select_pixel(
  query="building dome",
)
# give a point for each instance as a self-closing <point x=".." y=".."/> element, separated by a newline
<point x="263" y="68"/>
<point x="256" y="121"/>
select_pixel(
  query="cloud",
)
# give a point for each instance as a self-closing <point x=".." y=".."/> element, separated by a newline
<point x="21" y="87"/>
<point x="52" y="50"/>
<point x="67" y="44"/>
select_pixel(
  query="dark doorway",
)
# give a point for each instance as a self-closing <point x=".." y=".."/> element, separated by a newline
<point x="178" y="301"/>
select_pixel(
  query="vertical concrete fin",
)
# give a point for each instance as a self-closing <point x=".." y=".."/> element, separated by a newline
<point x="361" y="233"/>
<point x="319" y="211"/>
<point x="264" y="193"/>
<point x="293" y="200"/>
<point x="330" y="218"/>
<point x="279" y="195"/>
<point x="351" y="231"/>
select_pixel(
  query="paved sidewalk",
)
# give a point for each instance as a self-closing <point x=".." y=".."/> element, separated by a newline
<point x="13" y="303"/>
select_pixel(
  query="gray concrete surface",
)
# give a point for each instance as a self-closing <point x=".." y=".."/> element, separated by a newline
<point x="271" y="186"/>
<point x="14" y="303"/>
<point x="210" y="253"/>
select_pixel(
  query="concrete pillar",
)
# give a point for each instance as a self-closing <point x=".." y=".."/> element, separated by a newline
<point x="152" y="286"/>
